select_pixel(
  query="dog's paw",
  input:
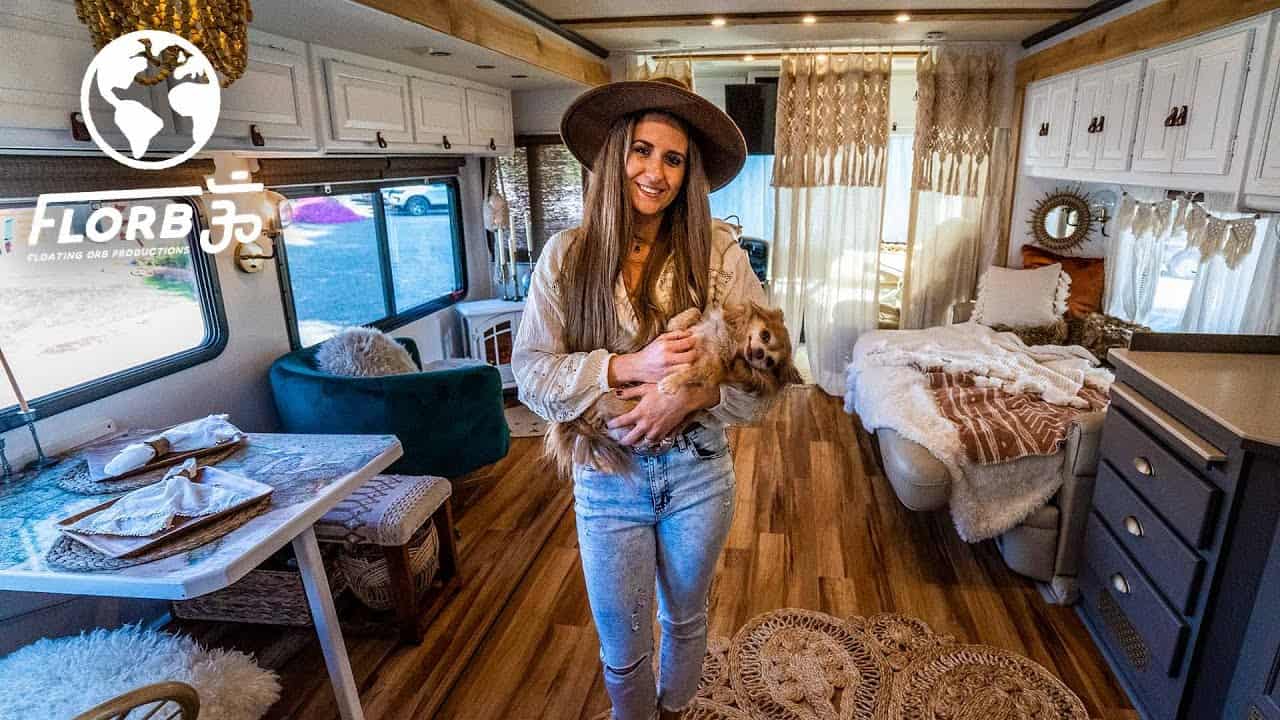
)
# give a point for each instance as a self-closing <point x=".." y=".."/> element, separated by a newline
<point x="668" y="385"/>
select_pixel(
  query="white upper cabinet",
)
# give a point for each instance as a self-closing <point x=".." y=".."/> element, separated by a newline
<point x="367" y="108"/>
<point x="1209" y="111"/>
<point x="44" y="52"/>
<point x="1262" y="186"/>
<point x="1090" y="98"/>
<point x="1157" y="115"/>
<point x="1034" y="130"/>
<point x="439" y="113"/>
<point x="270" y="106"/>
<point x="1119" y="116"/>
<point x="1058" y="121"/>
<point x="489" y="115"/>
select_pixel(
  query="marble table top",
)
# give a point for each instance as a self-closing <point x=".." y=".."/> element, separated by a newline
<point x="310" y="474"/>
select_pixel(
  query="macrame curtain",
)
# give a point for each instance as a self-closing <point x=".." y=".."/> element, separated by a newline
<point x="955" y="118"/>
<point x="832" y="124"/>
<point x="647" y="68"/>
<point x="1232" y="238"/>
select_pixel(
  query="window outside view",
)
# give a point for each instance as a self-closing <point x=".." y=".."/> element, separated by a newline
<point x="335" y="252"/>
<point x="65" y="322"/>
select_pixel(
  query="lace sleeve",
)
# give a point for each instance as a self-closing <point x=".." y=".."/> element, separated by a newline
<point x="555" y="384"/>
<point x="738" y="407"/>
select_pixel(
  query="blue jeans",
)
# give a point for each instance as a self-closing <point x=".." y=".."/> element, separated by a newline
<point x="668" y="521"/>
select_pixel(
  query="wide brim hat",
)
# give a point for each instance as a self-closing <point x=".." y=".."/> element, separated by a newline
<point x="586" y="124"/>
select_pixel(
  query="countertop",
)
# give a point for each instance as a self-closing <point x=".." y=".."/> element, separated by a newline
<point x="1239" y="391"/>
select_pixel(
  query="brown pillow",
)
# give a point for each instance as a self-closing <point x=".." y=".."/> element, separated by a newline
<point x="1087" y="276"/>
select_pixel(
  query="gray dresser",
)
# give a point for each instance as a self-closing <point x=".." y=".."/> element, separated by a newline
<point x="1183" y="524"/>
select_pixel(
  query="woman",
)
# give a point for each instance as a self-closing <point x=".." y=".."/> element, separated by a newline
<point x="601" y="294"/>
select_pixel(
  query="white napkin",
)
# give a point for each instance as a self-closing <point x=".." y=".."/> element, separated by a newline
<point x="195" y="435"/>
<point x="152" y="509"/>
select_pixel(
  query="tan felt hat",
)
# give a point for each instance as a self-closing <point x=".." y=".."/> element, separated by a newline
<point x="586" y="123"/>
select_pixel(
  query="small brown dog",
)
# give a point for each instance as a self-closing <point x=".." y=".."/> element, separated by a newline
<point x="746" y="346"/>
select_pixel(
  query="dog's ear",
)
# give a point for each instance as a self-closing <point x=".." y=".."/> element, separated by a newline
<point x="788" y="374"/>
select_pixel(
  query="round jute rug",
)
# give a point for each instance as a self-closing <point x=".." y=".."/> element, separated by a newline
<point x="802" y="665"/>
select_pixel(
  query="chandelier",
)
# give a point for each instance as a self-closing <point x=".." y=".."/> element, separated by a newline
<point x="217" y="27"/>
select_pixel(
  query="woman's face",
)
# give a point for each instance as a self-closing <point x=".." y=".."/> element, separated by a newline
<point x="656" y="164"/>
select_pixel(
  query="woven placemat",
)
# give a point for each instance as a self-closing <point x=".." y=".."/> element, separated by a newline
<point x="68" y="554"/>
<point x="75" y="476"/>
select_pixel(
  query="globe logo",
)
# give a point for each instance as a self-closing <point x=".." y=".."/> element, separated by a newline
<point x="193" y="93"/>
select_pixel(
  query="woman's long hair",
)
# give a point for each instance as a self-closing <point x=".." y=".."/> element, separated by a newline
<point x="595" y="259"/>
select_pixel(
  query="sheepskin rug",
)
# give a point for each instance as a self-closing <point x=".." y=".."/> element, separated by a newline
<point x="363" y="352"/>
<point x="63" y="677"/>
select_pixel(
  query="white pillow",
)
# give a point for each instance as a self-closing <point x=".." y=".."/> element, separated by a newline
<point x="1022" y="298"/>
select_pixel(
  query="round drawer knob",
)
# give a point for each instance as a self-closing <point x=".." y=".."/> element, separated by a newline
<point x="1142" y="465"/>
<point x="1133" y="526"/>
<point x="1120" y="584"/>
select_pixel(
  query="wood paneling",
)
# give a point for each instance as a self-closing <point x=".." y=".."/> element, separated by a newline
<point x="831" y="16"/>
<point x="477" y="22"/>
<point x="817" y="526"/>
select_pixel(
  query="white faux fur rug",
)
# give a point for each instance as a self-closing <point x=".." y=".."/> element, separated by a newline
<point x="524" y="422"/>
<point x="63" y="677"/>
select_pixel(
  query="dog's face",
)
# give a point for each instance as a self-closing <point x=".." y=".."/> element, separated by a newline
<point x="766" y="344"/>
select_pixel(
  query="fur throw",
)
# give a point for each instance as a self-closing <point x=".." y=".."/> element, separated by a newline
<point x="363" y="352"/>
<point x="1053" y="334"/>
<point x="63" y="677"/>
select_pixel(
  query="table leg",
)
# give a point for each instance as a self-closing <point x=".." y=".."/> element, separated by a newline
<point x="326" y="619"/>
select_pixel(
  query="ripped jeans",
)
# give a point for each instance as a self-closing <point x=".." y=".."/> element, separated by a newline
<point x="668" y="522"/>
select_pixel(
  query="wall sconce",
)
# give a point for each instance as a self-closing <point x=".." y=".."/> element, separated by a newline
<point x="251" y="257"/>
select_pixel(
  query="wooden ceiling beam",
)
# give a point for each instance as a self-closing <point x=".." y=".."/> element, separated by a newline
<point x="481" y="23"/>
<point x="822" y="16"/>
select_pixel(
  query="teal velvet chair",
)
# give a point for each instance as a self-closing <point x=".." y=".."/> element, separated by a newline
<point x="449" y="421"/>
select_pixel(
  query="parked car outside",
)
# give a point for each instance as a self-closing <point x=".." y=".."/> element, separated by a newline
<point x="417" y="200"/>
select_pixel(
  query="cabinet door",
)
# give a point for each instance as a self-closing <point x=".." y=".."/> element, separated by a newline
<point x="1119" y="114"/>
<point x="1090" y="97"/>
<point x="489" y="118"/>
<point x="1153" y="151"/>
<point x="439" y="112"/>
<point x="364" y="104"/>
<point x="1214" y="90"/>
<point x="44" y="52"/>
<point x="1265" y="175"/>
<point x="271" y="101"/>
<point x="1058" y="117"/>
<point x="1034" y="114"/>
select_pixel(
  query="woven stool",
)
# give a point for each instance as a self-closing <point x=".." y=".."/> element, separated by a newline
<point x="388" y="511"/>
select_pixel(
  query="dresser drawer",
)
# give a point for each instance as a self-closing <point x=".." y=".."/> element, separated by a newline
<point x="1161" y="628"/>
<point x="1175" y="568"/>
<point x="1158" y="693"/>
<point x="1173" y="489"/>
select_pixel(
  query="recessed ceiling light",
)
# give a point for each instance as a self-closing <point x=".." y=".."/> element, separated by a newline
<point x="809" y="19"/>
<point x="439" y="53"/>
<point x="486" y="67"/>
<point x="748" y="58"/>
<point x="903" y="17"/>
<point x="519" y="77"/>
<point x="717" y="22"/>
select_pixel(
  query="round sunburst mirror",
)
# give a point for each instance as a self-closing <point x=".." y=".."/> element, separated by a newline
<point x="1062" y="220"/>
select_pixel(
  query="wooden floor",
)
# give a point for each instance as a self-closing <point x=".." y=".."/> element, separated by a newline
<point x="816" y="527"/>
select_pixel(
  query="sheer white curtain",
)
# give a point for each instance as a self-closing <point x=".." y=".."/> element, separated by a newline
<point x="826" y="243"/>
<point x="960" y="163"/>
<point x="1262" y="309"/>
<point x="1220" y="295"/>
<point x="832" y="130"/>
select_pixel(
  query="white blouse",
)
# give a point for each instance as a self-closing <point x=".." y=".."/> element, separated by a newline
<point x="561" y="385"/>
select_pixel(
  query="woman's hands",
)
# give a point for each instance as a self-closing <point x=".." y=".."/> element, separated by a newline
<point x="667" y="353"/>
<point x="658" y="414"/>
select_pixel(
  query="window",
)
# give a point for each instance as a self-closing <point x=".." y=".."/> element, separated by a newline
<point x="750" y="196"/>
<point x="381" y="255"/>
<point x="543" y="178"/>
<point x="85" y="320"/>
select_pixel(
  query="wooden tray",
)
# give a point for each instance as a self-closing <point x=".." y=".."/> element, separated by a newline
<point x="123" y="546"/>
<point x="157" y="463"/>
